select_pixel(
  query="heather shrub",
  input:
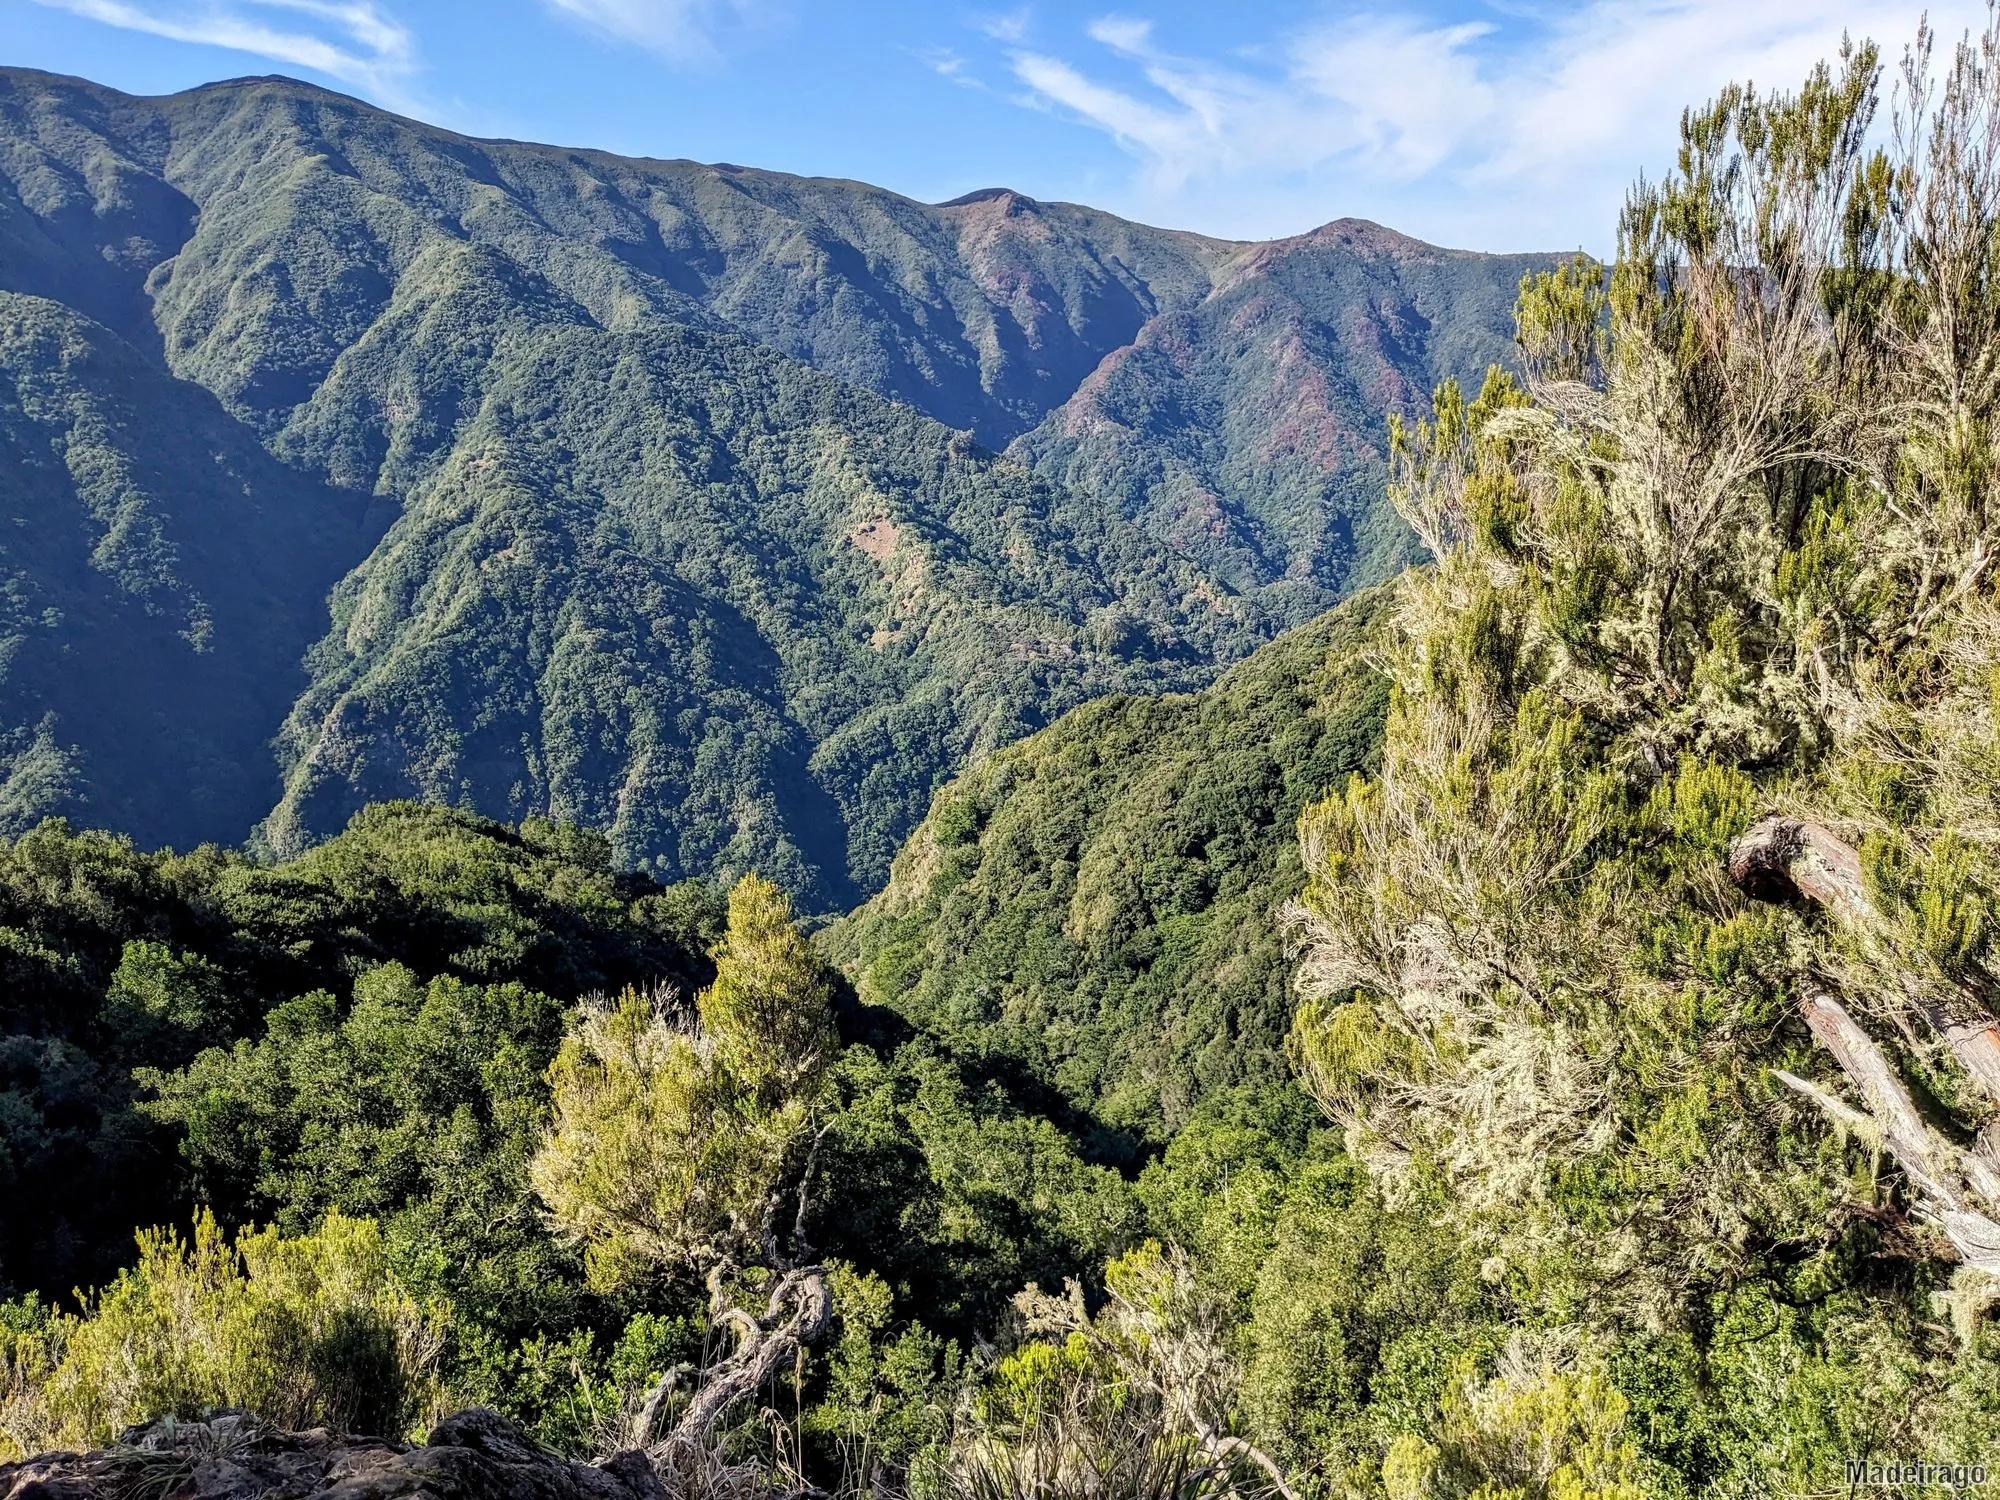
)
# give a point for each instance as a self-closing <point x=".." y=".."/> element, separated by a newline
<point x="304" y="1332"/>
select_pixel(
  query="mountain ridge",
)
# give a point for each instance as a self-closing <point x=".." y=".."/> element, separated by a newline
<point x="1116" y="457"/>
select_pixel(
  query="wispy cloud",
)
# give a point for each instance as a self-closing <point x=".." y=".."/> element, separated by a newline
<point x="1378" y="89"/>
<point x="681" y="31"/>
<point x="946" y="63"/>
<point x="355" y="41"/>
<point x="1006" y="26"/>
<point x="1510" y="132"/>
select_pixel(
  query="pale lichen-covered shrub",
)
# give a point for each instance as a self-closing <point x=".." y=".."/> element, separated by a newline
<point x="1658" y="961"/>
<point x="674" y="1133"/>
<point x="1728" y="552"/>
<point x="1135" y="1400"/>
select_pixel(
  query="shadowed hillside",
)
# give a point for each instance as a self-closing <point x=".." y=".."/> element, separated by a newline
<point x="161" y="577"/>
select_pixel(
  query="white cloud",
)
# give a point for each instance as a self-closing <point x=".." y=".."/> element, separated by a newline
<point x="1521" y="133"/>
<point x="946" y="64"/>
<point x="682" y="31"/>
<point x="1383" y="89"/>
<point x="1011" y="26"/>
<point x="355" y="41"/>
<point x="1629" y="69"/>
<point x="1122" y="34"/>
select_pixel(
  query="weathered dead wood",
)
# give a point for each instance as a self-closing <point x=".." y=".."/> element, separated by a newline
<point x="647" y="1418"/>
<point x="1983" y="1162"/>
<point x="1972" y="1035"/>
<point x="797" y="1313"/>
<point x="1781" y="856"/>
<point x="1223" y="1449"/>
<point x="1945" y="1178"/>
<point x="1892" y="1115"/>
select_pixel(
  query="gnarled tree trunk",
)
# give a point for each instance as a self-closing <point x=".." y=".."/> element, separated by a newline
<point x="797" y="1314"/>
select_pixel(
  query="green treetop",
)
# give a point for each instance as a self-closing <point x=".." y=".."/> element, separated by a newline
<point x="676" y="1140"/>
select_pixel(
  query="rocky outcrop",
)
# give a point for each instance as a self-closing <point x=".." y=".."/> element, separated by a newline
<point x="471" y="1455"/>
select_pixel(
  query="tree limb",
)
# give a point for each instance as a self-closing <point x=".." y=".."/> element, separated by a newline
<point x="1939" y="1172"/>
<point x="1843" y="1114"/>
<point x="799" y="1312"/>
<point x="648" y="1415"/>
<point x="1782" y="856"/>
<point x="1974" y="1039"/>
<point x="1893" y="1114"/>
<point x="1222" y="1447"/>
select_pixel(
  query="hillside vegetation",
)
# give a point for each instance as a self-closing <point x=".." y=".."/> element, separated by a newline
<point x="1092" y="908"/>
<point x="662" y="511"/>
<point x="1532" y="1033"/>
<point x="1248" y="428"/>
<point x="368" y="1031"/>
<point x="116" y="959"/>
<point x="161" y="576"/>
<point x="728" y="611"/>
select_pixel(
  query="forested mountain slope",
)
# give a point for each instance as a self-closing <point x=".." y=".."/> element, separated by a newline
<point x="367" y="1031"/>
<point x="676" y="527"/>
<point x="1247" y="428"/>
<point x="986" y="313"/>
<point x="1641" y="1131"/>
<point x="161" y="577"/>
<point x="1094" y="908"/>
<point x="730" y="611"/>
<point x="1076" y="959"/>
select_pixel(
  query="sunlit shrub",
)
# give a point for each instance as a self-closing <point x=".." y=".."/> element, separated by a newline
<point x="1539" y="1430"/>
<point x="304" y="1332"/>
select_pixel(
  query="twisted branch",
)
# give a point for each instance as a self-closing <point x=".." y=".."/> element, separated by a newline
<point x="1955" y="1188"/>
<point x="798" y="1313"/>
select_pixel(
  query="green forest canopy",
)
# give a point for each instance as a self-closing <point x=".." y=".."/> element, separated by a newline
<point x="1641" y="940"/>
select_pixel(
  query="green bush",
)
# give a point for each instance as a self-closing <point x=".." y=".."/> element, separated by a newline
<point x="1536" y="1431"/>
<point x="312" y="1331"/>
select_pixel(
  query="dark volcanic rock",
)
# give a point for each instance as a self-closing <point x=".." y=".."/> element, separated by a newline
<point x="472" y="1455"/>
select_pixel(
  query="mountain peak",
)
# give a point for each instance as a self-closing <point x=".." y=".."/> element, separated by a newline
<point x="987" y="195"/>
<point x="513" y="342"/>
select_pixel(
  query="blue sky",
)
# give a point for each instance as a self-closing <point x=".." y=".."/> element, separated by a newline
<point x="1509" y="125"/>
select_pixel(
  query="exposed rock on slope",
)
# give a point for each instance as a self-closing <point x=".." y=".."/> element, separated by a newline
<point x="472" y="1455"/>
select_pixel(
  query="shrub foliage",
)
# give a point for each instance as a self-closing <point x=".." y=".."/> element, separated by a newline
<point x="305" y="1332"/>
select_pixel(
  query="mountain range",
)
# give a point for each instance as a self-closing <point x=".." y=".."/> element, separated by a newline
<point x="724" y="511"/>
